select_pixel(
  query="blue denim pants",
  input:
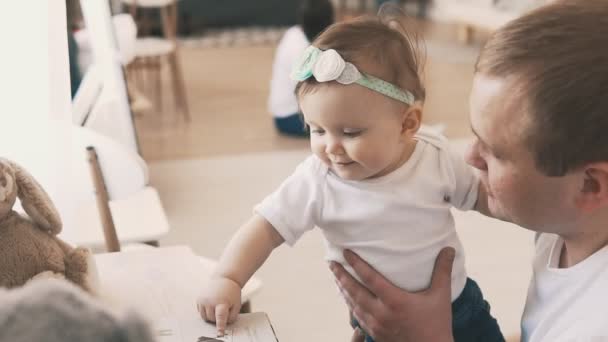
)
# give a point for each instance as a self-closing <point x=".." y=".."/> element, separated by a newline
<point x="471" y="318"/>
<point x="292" y="125"/>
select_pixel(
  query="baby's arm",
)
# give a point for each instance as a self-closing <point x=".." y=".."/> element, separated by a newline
<point x="220" y="301"/>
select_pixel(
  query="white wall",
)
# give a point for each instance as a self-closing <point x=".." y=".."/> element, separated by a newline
<point x="35" y="87"/>
<point x="33" y="64"/>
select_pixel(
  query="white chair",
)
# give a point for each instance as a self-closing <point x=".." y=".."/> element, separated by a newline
<point x="151" y="52"/>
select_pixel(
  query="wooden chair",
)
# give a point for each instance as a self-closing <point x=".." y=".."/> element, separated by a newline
<point x="103" y="202"/>
<point x="152" y="52"/>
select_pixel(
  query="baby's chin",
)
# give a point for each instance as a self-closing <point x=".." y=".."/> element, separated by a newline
<point x="351" y="175"/>
<point x="346" y="174"/>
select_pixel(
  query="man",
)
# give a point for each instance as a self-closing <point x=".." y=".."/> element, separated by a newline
<point x="539" y="110"/>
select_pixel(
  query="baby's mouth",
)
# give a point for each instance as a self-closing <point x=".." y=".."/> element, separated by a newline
<point x="344" y="163"/>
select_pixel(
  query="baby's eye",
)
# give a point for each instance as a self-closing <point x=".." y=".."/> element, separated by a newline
<point x="352" y="132"/>
<point x="317" y="131"/>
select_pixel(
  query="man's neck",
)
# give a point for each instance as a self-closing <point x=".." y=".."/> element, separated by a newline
<point x="578" y="247"/>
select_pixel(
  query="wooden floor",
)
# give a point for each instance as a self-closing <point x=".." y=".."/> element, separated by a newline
<point x="227" y="91"/>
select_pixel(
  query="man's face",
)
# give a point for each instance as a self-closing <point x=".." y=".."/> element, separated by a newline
<point x="517" y="190"/>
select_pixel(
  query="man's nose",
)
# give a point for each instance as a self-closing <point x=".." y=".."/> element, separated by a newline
<point x="473" y="157"/>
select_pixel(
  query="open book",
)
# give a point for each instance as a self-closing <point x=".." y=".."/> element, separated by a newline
<point x="253" y="327"/>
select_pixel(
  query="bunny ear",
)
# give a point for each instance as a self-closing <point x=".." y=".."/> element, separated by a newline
<point x="8" y="188"/>
<point x="35" y="201"/>
<point x="7" y="184"/>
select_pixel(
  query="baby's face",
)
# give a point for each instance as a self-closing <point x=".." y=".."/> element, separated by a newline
<point x="356" y="132"/>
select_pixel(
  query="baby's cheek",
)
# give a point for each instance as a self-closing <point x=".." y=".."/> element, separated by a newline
<point x="375" y="159"/>
<point x="317" y="149"/>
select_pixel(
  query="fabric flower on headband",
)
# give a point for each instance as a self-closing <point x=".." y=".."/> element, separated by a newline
<point x="328" y="65"/>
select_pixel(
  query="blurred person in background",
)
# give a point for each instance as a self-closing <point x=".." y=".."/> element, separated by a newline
<point x="313" y="17"/>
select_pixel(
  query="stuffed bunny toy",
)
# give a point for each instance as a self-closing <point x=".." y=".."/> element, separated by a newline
<point x="54" y="310"/>
<point x="29" y="247"/>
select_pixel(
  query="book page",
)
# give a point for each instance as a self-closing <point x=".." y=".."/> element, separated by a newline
<point x="253" y="327"/>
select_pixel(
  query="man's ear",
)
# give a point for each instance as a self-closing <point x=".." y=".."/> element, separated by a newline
<point x="412" y="119"/>
<point x="594" y="190"/>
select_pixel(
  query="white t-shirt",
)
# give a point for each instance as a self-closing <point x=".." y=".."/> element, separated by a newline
<point x="398" y="223"/>
<point x="566" y="304"/>
<point x="282" y="101"/>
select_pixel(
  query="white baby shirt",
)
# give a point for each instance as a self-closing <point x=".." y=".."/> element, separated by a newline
<point x="398" y="223"/>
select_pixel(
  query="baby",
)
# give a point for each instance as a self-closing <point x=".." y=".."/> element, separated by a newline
<point x="376" y="183"/>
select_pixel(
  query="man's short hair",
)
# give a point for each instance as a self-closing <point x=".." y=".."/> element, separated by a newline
<point x="559" y="55"/>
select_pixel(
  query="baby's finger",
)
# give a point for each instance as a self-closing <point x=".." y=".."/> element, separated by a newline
<point x="234" y="313"/>
<point x="221" y="318"/>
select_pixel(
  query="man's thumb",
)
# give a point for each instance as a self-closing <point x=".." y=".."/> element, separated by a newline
<point x="442" y="273"/>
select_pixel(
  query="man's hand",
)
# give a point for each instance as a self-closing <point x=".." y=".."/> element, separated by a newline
<point x="390" y="314"/>
<point x="220" y="302"/>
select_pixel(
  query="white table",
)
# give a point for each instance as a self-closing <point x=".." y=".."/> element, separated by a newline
<point x="158" y="282"/>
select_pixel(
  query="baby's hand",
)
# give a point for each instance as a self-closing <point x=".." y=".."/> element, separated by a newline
<point x="220" y="302"/>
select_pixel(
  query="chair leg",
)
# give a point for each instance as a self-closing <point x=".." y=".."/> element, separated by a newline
<point x="103" y="200"/>
<point x="145" y="75"/>
<point x="140" y="74"/>
<point x="179" y="87"/>
<point x="422" y="8"/>
<point x="362" y="6"/>
<point x="465" y="33"/>
<point x="158" y="99"/>
<point x="169" y="18"/>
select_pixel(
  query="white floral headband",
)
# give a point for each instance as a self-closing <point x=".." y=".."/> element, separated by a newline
<point x="328" y="66"/>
